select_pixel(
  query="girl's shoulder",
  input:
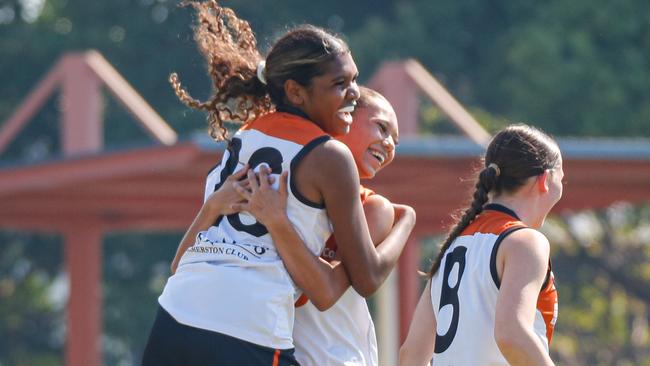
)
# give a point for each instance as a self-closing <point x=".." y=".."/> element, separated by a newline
<point x="528" y="245"/>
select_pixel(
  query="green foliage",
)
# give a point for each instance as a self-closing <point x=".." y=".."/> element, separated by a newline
<point x="604" y="303"/>
<point x="33" y="294"/>
<point x="145" y="41"/>
<point x="573" y="68"/>
<point x="136" y="268"/>
<point x="31" y="305"/>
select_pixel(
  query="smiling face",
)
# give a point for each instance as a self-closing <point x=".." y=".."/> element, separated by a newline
<point x="330" y="98"/>
<point x="373" y="136"/>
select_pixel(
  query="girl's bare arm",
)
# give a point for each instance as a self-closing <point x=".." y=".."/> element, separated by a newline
<point x="333" y="173"/>
<point x="323" y="283"/>
<point x="523" y="262"/>
<point x="418" y="347"/>
<point x="219" y="203"/>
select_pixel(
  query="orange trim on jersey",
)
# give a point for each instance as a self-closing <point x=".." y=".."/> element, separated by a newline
<point x="497" y="222"/>
<point x="491" y="222"/>
<point x="302" y="300"/>
<point x="547" y="306"/>
<point x="276" y="357"/>
<point x="365" y="193"/>
<point x="286" y="126"/>
<point x="329" y="252"/>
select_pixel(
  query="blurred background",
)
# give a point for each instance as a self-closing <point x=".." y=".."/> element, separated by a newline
<point x="578" y="69"/>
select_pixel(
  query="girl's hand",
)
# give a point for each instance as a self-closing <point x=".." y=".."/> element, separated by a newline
<point x="404" y="212"/>
<point x="266" y="204"/>
<point x="221" y="201"/>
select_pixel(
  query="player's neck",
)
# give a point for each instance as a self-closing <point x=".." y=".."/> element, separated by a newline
<point x="525" y="208"/>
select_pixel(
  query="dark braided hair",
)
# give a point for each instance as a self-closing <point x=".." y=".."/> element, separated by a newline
<point x="230" y="50"/>
<point x="519" y="152"/>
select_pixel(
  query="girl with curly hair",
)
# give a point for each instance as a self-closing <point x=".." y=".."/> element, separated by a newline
<point x="231" y="298"/>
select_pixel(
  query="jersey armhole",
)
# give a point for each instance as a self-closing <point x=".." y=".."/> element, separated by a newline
<point x="547" y="279"/>
<point x="495" y="249"/>
<point x="294" y="164"/>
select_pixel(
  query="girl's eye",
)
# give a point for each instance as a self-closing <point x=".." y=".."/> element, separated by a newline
<point x="383" y="128"/>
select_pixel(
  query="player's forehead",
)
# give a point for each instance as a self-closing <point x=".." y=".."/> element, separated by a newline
<point x="380" y="110"/>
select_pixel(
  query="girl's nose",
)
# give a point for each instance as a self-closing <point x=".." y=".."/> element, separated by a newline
<point x="388" y="143"/>
<point x="353" y="91"/>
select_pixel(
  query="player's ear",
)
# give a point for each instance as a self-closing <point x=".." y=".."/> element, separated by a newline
<point x="541" y="181"/>
<point x="295" y="93"/>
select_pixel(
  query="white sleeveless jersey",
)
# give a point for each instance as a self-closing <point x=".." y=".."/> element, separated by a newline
<point x="232" y="280"/>
<point x="343" y="334"/>
<point x="464" y="294"/>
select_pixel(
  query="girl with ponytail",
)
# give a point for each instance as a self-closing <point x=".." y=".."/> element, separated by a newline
<point x="491" y="298"/>
<point x="231" y="299"/>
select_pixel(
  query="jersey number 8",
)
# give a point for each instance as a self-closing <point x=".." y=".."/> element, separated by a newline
<point x="449" y="296"/>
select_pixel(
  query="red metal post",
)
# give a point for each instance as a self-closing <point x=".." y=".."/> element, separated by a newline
<point x="84" y="320"/>
<point x="82" y="130"/>
<point x="394" y="83"/>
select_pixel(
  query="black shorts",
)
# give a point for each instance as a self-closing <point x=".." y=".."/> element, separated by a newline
<point x="171" y="343"/>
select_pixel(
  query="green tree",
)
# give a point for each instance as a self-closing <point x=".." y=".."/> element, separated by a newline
<point x="32" y="299"/>
<point x="136" y="268"/>
<point x="574" y="68"/>
<point x="602" y="266"/>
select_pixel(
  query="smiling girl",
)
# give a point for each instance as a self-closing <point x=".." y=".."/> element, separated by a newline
<point x="344" y="334"/>
<point x="231" y="299"/>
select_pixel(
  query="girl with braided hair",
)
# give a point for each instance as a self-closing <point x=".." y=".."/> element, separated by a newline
<point x="231" y="299"/>
<point x="491" y="298"/>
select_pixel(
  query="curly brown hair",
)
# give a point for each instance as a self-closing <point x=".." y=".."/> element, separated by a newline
<point x="229" y="47"/>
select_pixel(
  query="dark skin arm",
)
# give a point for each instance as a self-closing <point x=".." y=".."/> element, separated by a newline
<point x="323" y="283"/>
<point x="380" y="215"/>
<point x="328" y="174"/>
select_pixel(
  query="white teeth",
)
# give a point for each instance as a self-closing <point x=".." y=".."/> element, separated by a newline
<point x="346" y="117"/>
<point x="347" y="109"/>
<point x="379" y="156"/>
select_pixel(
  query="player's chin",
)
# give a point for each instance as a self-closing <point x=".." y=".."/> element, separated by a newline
<point x="341" y="126"/>
<point x="369" y="170"/>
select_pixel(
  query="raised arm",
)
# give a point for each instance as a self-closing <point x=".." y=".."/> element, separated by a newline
<point x="218" y="203"/>
<point x="323" y="283"/>
<point x="333" y="174"/>
<point x="380" y="214"/>
<point x="522" y="263"/>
